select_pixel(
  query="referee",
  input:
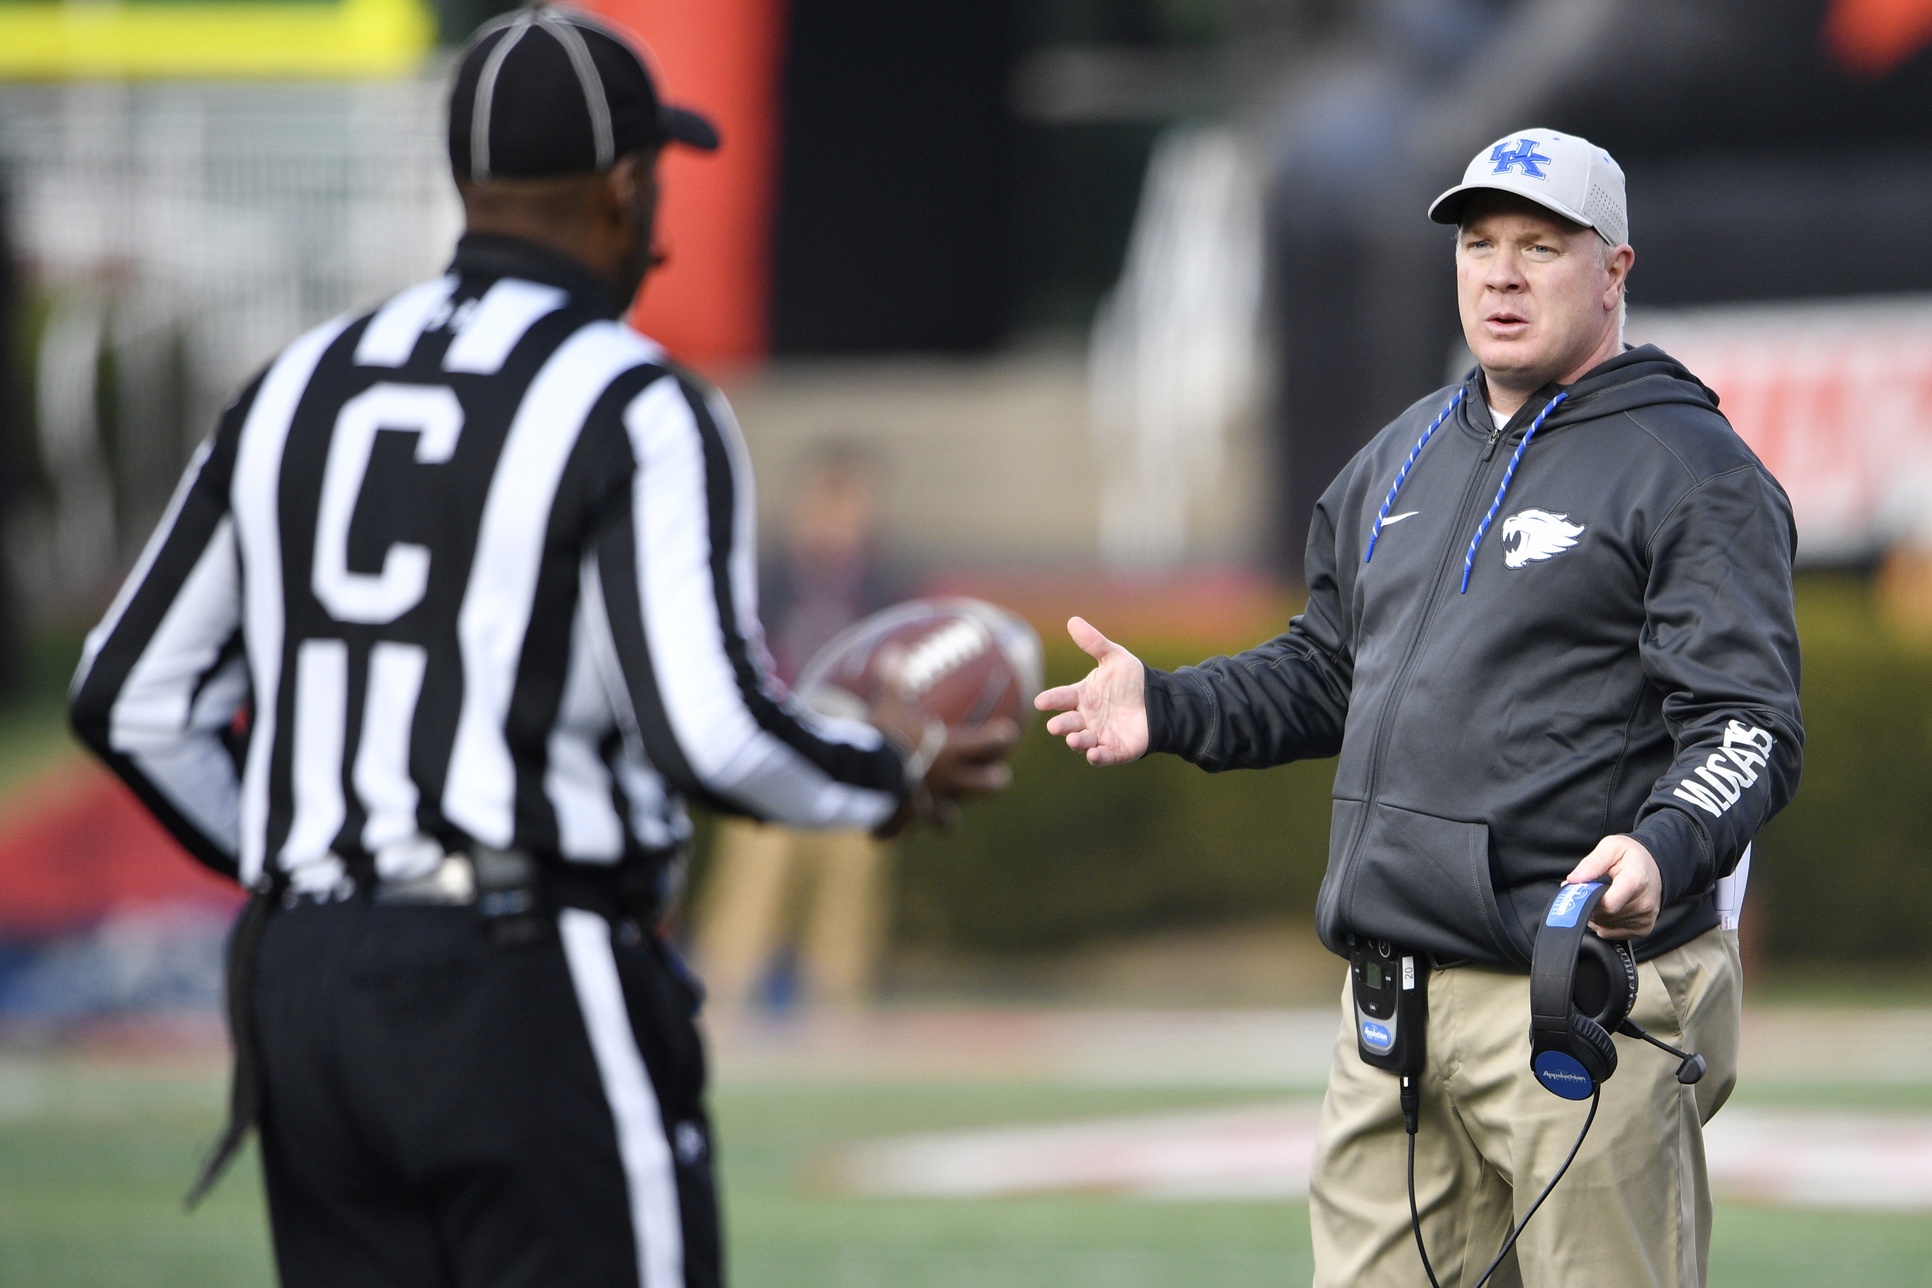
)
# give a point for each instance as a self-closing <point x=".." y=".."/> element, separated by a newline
<point x="447" y="621"/>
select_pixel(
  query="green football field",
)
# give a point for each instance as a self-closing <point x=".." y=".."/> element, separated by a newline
<point x="95" y="1153"/>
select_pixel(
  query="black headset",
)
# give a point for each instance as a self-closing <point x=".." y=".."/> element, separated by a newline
<point x="1582" y="989"/>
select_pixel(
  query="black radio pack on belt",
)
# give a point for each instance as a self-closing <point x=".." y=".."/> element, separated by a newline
<point x="1582" y="990"/>
<point x="1391" y="1004"/>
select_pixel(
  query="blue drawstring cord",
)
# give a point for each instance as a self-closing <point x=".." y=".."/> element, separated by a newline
<point x="1516" y="458"/>
<point x="1402" y="475"/>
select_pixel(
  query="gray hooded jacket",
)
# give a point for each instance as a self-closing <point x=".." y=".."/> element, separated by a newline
<point x="1519" y="642"/>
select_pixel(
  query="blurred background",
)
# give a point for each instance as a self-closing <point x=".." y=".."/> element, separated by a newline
<point x="1076" y="305"/>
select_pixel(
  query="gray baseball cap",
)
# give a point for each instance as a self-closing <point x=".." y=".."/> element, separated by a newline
<point x="1570" y="175"/>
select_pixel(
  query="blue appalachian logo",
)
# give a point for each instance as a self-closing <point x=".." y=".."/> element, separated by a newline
<point x="1524" y="154"/>
<point x="1727" y="773"/>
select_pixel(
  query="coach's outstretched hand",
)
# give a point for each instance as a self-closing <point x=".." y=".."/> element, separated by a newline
<point x="1105" y="715"/>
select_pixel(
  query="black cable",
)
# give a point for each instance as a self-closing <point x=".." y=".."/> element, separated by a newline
<point x="1410" y="1099"/>
<point x="1595" y="1097"/>
<point x="1415" y="1218"/>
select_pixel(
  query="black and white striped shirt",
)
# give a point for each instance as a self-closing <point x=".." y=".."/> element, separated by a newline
<point x="479" y="565"/>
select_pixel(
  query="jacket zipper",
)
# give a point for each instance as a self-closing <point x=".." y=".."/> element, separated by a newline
<point x="1379" y="748"/>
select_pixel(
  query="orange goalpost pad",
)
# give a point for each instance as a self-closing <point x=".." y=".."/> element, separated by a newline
<point x="710" y="304"/>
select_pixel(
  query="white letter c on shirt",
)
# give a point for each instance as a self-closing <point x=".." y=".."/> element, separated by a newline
<point x="434" y="415"/>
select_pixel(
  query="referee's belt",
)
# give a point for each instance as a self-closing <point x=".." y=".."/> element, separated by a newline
<point x="511" y="885"/>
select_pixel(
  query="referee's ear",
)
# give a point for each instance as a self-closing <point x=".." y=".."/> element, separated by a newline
<point x="631" y="189"/>
<point x="628" y="200"/>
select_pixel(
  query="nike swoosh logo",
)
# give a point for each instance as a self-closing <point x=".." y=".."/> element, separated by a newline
<point x="1397" y="518"/>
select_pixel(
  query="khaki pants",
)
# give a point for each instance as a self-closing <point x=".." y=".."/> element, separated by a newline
<point x="1633" y="1210"/>
<point x="758" y="874"/>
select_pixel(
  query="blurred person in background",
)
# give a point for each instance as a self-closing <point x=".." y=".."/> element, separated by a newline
<point x="826" y="574"/>
<point x="831" y="567"/>
<point x="1550" y="634"/>
<point x="475" y="567"/>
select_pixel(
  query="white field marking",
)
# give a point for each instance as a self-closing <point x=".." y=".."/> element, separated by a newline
<point x="1822" y="1157"/>
<point x="1275" y="1052"/>
<point x="1795" y="1157"/>
<point x="1250" y="1152"/>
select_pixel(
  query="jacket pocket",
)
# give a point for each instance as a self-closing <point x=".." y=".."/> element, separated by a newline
<point x="1415" y="880"/>
<point x="1344" y="819"/>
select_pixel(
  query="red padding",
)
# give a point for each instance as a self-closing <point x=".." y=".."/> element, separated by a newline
<point x="75" y="845"/>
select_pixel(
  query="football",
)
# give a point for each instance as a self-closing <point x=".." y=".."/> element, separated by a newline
<point x="960" y="661"/>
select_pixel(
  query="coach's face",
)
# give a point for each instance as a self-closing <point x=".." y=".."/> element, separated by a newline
<point x="1540" y="297"/>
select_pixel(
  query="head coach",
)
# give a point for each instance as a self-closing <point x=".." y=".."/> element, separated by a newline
<point x="447" y="620"/>
<point x="1549" y="634"/>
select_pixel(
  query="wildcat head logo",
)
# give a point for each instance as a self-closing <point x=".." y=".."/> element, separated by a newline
<point x="1532" y="535"/>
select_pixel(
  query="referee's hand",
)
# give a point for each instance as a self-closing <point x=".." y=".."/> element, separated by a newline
<point x="1629" y="908"/>
<point x="1105" y="715"/>
<point x="972" y="763"/>
<point x="958" y="763"/>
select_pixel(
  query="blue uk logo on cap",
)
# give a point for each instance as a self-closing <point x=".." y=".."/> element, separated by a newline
<point x="1524" y="155"/>
<point x="1377" y="1036"/>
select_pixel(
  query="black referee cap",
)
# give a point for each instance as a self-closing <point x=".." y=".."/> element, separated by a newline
<point x="547" y="90"/>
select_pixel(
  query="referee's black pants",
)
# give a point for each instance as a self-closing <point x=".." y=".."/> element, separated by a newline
<point x="444" y="1110"/>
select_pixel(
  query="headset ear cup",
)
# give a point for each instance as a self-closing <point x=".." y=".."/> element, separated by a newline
<point x="1592" y="1046"/>
<point x="1612" y="966"/>
<point x="1626" y="959"/>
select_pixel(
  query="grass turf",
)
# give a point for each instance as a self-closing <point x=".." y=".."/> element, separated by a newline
<point x="93" y="1162"/>
<point x="94" y="1156"/>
